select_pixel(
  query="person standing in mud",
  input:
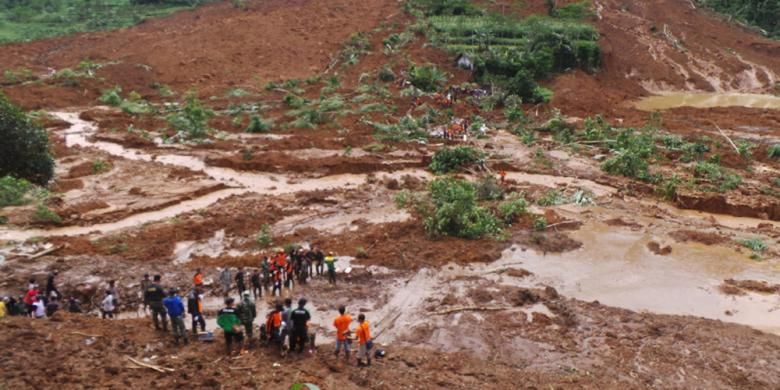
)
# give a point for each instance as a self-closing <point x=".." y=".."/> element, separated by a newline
<point x="225" y="280"/>
<point x="114" y="291"/>
<point x="145" y="283"/>
<point x="175" y="309"/>
<point x="247" y="312"/>
<point x="74" y="306"/>
<point x="365" y="343"/>
<point x="277" y="283"/>
<point x="257" y="285"/>
<point x="273" y="326"/>
<point x="265" y="267"/>
<point x="108" y="305"/>
<point x="31" y="297"/>
<point x="300" y="318"/>
<point x="195" y="308"/>
<point x="241" y="281"/>
<point x="197" y="280"/>
<point x="51" y="285"/>
<point x="342" y="323"/>
<point x="286" y="324"/>
<point x="227" y="319"/>
<point x="319" y="259"/>
<point x="330" y="261"/>
<point x="155" y="295"/>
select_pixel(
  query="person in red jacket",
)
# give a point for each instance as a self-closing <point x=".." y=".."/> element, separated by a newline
<point x="30" y="298"/>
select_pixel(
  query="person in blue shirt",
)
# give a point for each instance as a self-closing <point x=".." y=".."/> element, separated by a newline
<point x="175" y="308"/>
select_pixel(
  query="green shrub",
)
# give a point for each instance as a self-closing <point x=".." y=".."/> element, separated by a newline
<point x="627" y="163"/>
<point x="294" y="101"/>
<point x="551" y="198"/>
<point x="264" y="238"/>
<point x="112" y="96"/>
<point x="357" y="46"/>
<point x="386" y="74"/>
<point x="427" y="78"/>
<point x="451" y="159"/>
<point x="100" y="166"/>
<point x="192" y="120"/>
<point x="258" y="125"/>
<point x="44" y="214"/>
<point x="489" y="189"/>
<point x="513" y="208"/>
<point x="13" y="191"/>
<point x="754" y="244"/>
<point x="456" y="213"/>
<point x="773" y="151"/>
<point x="540" y="224"/>
<point x="24" y="150"/>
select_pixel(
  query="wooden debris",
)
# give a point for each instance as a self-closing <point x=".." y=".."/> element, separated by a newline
<point x="157" y="368"/>
<point x="469" y="308"/>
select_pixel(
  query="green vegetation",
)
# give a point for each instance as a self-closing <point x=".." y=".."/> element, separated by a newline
<point x="264" y="238"/>
<point x="764" y="14"/>
<point x="100" y="166"/>
<point x="258" y="125"/>
<point x="407" y="129"/>
<point x="427" y="78"/>
<point x="510" y="54"/>
<point x="455" y="212"/>
<point x="44" y="214"/>
<point x="357" y="46"/>
<point x="452" y="159"/>
<point x="13" y="191"/>
<point x="713" y="177"/>
<point x="773" y="151"/>
<point x="513" y="208"/>
<point x="192" y="120"/>
<point x="24" y="151"/>
<point x="25" y="20"/>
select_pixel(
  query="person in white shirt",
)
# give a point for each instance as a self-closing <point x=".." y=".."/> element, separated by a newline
<point x="39" y="308"/>
<point x="107" y="307"/>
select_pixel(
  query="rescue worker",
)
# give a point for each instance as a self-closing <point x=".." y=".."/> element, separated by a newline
<point x="145" y="283"/>
<point x="227" y="319"/>
<point x="247" y="313"/>
<point x="363" y="334"/>
<point x="225" y="280"/>
<point x="155" y="295"/>
<point x="197" y="280"/>
<point x="175" y="308"/>
<point x="330" y="261"/>
<point x="319" y="258"/>
<point x="3" y="309"/>
<point x="342" y="323"/>
<point x="195" y="308"/>
<point x="273" y="325"/>
<point x="257" y="286"/>
<point x="266" y="268"/>
<point x="286" y="324"/>
<point x="51" y="285"/>
<point x="299" y="318"/>
<point x="241" y="281"/>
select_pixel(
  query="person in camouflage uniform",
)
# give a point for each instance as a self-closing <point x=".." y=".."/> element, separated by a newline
<point x="247" y="313"/>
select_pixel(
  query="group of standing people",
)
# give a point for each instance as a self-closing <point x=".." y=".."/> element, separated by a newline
<point x="281" y="269"/>
<point x="37" y="303"/>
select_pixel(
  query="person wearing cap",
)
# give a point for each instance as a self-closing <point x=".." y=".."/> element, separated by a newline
<point x="300" y="326"/>
<point x="247" y="313"/>
<point x="175" y="308"/>
<point x="227" y="319"/>
<point x="330" y="261"/>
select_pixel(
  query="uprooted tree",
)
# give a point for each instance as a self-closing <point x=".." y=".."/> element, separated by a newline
<point x="24" y="152"/>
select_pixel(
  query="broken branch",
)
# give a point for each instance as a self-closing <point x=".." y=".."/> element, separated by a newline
<point x="163" y="370"/>
<point x="469" y="308"/>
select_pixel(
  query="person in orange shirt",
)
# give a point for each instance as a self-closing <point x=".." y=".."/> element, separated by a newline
<point x="198" y="278"/>
<point x="364" y="340"/>
<point x="342" y="323"/>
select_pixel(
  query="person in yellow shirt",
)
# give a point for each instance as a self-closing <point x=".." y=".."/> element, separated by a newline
<point x="342" y="323"/>
<point x="365" y="343"/>
<point x="2" y="307"/>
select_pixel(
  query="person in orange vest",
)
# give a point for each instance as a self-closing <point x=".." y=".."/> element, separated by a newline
<point x="197" y="280"/>
<point x="365" y="343"/>
<point x="273" y="325"/>
<point x="502" y="175"/>
<point x="342" y="323"/>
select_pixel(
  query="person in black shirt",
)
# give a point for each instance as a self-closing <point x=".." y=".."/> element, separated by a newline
<point x="154" y="295"/>
<point x="73" y="305"/>
<point x="51" y="285"/>
<point x="240" y="281"/>
<point x="257" y="287"/>
<point x="300" y="318"/>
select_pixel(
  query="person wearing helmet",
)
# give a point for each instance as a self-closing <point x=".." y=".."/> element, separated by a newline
<point x="300" y="326"/>
<point x="175" y="308"/>
<point x="330" y="261"/>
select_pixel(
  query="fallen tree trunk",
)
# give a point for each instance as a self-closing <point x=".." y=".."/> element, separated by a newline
<point x="469" y="308"/>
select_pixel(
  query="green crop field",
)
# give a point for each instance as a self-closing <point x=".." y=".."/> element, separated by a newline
<point x="26" y="20"/>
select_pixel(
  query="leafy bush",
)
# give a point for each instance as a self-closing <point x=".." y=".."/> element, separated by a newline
<point x="44" y="214"/>
<point x="264" y="238"/>
<point x="258" y="125"/>
<point x="386" y="74"/>
<point x="407" y="129"/>
<point x="451" y="159"/>
<point x="24" y="150"/>
<point x="357" y="46"/>
<point x="715" y="174"/>
<point x="427" y="78"/>
<point x="551" y="198"/>
<point x="754" y="244"/>
<point x="112" y="96"/>
<point x="13" y="191"/>
<point x="192" y="120"/>
<point x="294" y="101"/>
<point x="444" y="7"/>
<point x="513" y="208"/>
<point x="456" y="213"/>
<point x="761" y="13"/>
<point x="100" y="166"/>
<point x="489" y="189"/>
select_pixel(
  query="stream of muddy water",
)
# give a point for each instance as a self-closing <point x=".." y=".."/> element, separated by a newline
<point x="707" y="100"/>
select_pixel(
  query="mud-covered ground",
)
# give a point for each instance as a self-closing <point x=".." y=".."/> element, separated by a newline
<point x="623" y="289"/>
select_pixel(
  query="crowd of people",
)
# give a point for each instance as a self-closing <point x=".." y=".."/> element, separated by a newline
<point x="285" y="328"/>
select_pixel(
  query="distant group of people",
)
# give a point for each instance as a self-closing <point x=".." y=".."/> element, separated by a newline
<point x="280" y="270"/>
<point x="37" y="303"/>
